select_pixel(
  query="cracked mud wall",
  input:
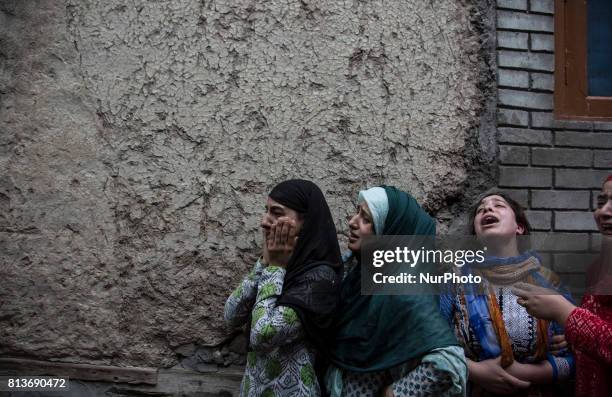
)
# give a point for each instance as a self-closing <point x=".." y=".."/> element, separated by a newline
<point x="139" y="140"/>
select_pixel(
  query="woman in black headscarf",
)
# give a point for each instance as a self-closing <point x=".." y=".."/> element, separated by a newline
<point x="290" y="296"/>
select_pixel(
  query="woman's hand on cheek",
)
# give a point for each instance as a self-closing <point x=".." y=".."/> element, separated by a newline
<point x="281" y="241"/>
<point x="490" y="375"/>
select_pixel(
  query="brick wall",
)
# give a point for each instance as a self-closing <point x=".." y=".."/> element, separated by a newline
<point x="554" y="168"/>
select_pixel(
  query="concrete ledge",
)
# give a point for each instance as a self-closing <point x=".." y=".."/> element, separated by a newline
<point x="104" y="381"/>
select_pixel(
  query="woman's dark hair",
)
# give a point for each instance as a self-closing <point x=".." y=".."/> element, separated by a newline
<point x="519" y="212"/>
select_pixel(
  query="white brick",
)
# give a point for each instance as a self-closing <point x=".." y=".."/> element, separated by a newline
<point x="539" y="220"/>
<point x="602" y="125"/>
<point x="600" y="140"/>
<point x="560" y="199"/>
<point x="512" y="117"/>
<point x="541" y="120"/>
<point x="581" y="179"/>
<point x="524" y="136"/>
<point x="542" y="81"/>
<point x="574" y="124"/>
<point x="574" y="220"/>
<point x="513" y="78"/>
<point x="563" y="242"/>
<point x="514" y="155"/>
<point x="522" y="21"/>
<point x="543" y="6"/>
<point x="562" y="157"/>
<point x="542" y="42"/>
<point x="532" y="100"/>
<point x="526" y="60"/>
<point x="594" y="194"/>
<point x="513" y="4"/>
<point x="521" y="196"/>
<point x="603" y="159"/>
<point x="513" y="40"/>
<point x="525" y="177"/>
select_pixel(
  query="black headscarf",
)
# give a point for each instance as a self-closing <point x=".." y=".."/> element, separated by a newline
<point x="314" y="271"/>
<point x="312" y="281"/>
<point x="317" y="242"/>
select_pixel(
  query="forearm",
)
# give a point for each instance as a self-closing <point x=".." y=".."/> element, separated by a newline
<point x="545" y="372"/>
<point x="540" y="373"/>
<point x="272" y="325"/>
<point x="590" y="334"/>
<point x="474" y="370"/>
<point x="240" y="303"/>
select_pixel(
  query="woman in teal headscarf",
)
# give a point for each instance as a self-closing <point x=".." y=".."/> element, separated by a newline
<point x="400" y="344"/>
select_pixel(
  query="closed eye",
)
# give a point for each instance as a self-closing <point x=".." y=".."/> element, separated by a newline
<point x="601" y="200"/>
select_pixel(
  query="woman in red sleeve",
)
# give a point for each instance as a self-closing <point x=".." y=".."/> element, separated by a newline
<point x="588" y="328"/>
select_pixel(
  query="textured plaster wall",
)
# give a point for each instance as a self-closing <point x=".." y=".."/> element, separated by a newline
<point x="138" y="141"/>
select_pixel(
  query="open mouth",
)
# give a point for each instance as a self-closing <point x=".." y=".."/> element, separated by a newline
<point x="606" y="227"/>
<point x="489" y="220"/>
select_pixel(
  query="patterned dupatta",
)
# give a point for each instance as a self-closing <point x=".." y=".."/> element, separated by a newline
<point x="483" y="312"/>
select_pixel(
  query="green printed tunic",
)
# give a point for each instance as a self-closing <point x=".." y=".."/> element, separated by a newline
<point x="280" y="361"/>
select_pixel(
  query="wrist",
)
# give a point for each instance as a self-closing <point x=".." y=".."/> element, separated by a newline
<point x="521" y="371"/>
<point x="473" y="370"/>
<point x="564" y="311"/>
<point x="277" y="261"/>
<point x="550" y="361"/>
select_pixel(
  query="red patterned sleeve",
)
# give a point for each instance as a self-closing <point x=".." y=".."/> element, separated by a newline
<point x="590" y="334"/>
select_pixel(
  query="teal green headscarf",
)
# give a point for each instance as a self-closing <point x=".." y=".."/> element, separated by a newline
<point x="379" y="332"/>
